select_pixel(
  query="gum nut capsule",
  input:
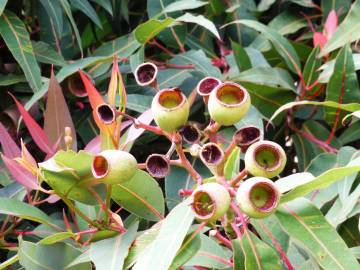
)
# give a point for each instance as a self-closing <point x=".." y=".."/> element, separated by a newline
<point x="210" y="201"/>
<point x="265" y="158"/>
<point x="246" y="136"/>
<point x="157" y="165"/>
<point x="145" y="74"/>
<point x="258" y="197"/>
<point x="228" y="103"/>
<point x="114" y="166"/>
<point x="170" y="109"/>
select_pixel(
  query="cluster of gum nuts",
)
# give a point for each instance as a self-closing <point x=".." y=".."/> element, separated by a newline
<point x="227" y="104"/>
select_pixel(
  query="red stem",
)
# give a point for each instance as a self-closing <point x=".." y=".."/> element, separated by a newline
<point x="187" y="165"/>
<point x="239" y="177"/>
<point x="278" y="247"/>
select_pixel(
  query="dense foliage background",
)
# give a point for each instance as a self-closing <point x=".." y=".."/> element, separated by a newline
<point x="297" y="58"/>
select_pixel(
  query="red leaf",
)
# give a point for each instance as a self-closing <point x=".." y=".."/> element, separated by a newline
<point x="331" y="24"/>
<point x="94" y="146"/>
<point x="319" y="39"/>
<point x="134" y="133"/>
<point x="20" y="174"/>
<point x="36" y="132"/>
<point x="94" y="96"/>
<point x="9" y="147"/>
<point x="95" y="100"/>
<point x="57" y="115"/>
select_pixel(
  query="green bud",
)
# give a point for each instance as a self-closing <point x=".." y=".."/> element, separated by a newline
<point x="210" y="201"/>
<point x="228" y="103"/>
<point x="170" y="109"/>
<point x="258" y="197"/>
<point x="265" y="158"/>
<point x="114" y="166"/>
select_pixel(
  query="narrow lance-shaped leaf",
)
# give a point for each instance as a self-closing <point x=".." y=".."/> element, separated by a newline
<point x="305" y="223"/>
<point x="141" y="195"/>
<point x="2" y="6"/>
<point x="36" y="132"/>
<point x="348" y="31"/>
<point x="8" y="146"/>
<point x="258" y="255"/>
<point x="161" y="252"/>
<point x="148" y="30"/>
<point x="343" y="86"/>
<point x="66" y="6"/>
<point x="57" y="115"/>
<point x="199" y="20"/>
<point x="109" y="254"/>
<point x="16" y="208"/>
<point x="17" y="39"/>
<point x="309" y="184"/>
<point x="350" y="107"/>
<point x="281" y="44"/>
<point x="20" y="174"/>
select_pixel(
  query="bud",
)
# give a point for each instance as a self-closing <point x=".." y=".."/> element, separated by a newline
<point x="206" y="86"/>
<point x="190" y="133"/>
<point x="145" y="74"/>
<point x="246" y="136"/>
<point x="228" y="103"/>
<point x="170" y="109"/>
<point x="210" y="201"/>
<point x="114" y="166"/>
<point x="265" y="158"/>
<point x="158" y="165"/>
<point x="106" y="113"/>
<point x="258" y="197"/>
<point x="195" y="150"/>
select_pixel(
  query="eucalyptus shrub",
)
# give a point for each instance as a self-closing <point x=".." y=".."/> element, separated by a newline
<point x="203" y="147"/>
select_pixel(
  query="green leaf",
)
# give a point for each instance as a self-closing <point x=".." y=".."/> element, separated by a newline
<point x="2" y="6"/>
<point x="106" y="4"/>
<point x="187" y="251"/>
<point x="232" y="165"/>
<point x="305" y="223"/>
<point x="343" y="86"/>
<point x="16" y="208"/>
<point x="201" y="62"/>
<point x="201" y="21"/>
<point x="161" y="252"/>
<point x="238" y="254"/>
<point x="184" y="5"/>
<point x="273" y="77"/>
<point x="311" y="67"/>
<point x="141" y="196"/>
<point x="258" y="255"/>
<point x="10" y="79"/>
<point x="141" y="243"/>
<point x="85" y="7"/>
<point x="350" y="107"/>
<point x="68" y="172"/>
<point x="281" y="44"/>
<point x="150" y="29"/>
<point x="66" y="6"/>
<point x="109" y="254"/>
<point x="210" y="255"/>
<point x="49" y="257"/>
<point x="53" y="9"/>
<point x="347" y="32"/>
<point x="123" y="46"/>
<point x="268" y="99"/>
<point x="137" y="58"/>
<point x="242" y="59"/>
<point x="138" y="103"/>
<point x="57" y="237"/>
<point x="322" y="181"/>
<point x="285" y="23"/>
<point x="44" y="53"/>
<point x="17" y="39"/>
